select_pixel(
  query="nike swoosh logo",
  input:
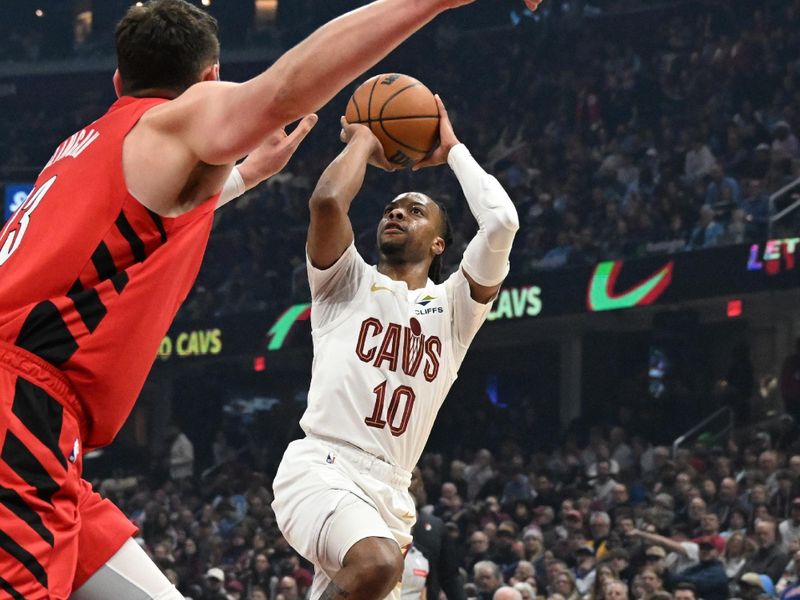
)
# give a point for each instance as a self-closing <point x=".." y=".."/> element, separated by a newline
<point x="378" y="288"/>
<point x="601" y="296"/>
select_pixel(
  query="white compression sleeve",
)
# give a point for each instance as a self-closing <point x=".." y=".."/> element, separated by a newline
<point x="128" y="575"/>
<point x="486" y="256"/>
<point x="233" y="188"/>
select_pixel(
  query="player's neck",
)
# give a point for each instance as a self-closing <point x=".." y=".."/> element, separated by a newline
<point x="414" y="274"/>
<point x="153" y="93"/>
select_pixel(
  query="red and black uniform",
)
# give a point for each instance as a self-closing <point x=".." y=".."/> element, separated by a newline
<point x="90" y="281"/>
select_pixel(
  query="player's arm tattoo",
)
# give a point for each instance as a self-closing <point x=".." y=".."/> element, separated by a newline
<point x="333" y="591"/>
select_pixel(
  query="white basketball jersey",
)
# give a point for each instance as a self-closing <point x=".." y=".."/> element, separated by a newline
<point x="384" y="356"/>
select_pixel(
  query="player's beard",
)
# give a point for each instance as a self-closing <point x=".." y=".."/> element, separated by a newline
<point x="391" y="248"/>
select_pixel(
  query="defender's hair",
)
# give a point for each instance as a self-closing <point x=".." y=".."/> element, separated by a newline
<point x="165" y="44"/>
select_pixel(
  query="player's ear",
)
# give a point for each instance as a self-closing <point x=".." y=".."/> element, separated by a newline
<point x="117" y="79"/>
<point x="438" y="245"/>
<point x="210" y="73"/>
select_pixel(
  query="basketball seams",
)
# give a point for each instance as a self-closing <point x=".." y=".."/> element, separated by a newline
<point x="369" y="101"/>
<point x="362" y="122"/>
<point x="400" y="142"/>
<point x="358" y="110"/>
<point x="381" y="119"/>
<point x="391" y="129"/>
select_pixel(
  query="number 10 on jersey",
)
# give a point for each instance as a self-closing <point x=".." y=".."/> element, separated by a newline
<point x="379" y="419"/>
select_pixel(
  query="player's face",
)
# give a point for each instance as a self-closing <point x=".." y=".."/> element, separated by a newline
<point x="410" y="228"/>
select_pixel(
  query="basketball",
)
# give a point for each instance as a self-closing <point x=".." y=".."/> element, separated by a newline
<point x="401" y="112"/>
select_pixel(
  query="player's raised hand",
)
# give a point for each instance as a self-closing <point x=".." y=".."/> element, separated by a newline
<point x="447" y="139"/>
<point x="532" y="4"/>
<point x="351" y="132"/>
<point x="274" y="153"/>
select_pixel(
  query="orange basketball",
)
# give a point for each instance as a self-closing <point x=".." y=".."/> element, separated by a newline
<point x="401" y="112"/>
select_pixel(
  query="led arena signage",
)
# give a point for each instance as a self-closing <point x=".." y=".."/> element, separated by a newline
<point x="204" y="342"/>
<point x="283" y="325"/>
<point x="516" y="303"/>
<point x="722" y="272"/>
<point x="769" y="260"/>
<point x="602" y="296"/>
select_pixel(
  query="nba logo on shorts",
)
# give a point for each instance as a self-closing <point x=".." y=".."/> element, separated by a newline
<point x="331" y="458"/>
<point x="76" y="449"/>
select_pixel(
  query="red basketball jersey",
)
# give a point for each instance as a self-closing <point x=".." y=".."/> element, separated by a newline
<point x="90" y="279"/>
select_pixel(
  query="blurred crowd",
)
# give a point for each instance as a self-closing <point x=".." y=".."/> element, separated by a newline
<point x="611" y="144"/>
<point x="652" y="131"/>
<point x="603" y="515"/>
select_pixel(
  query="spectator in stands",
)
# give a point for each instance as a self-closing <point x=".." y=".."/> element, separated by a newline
<point x="756" y="208"/>
<point x="723" y="192"/>
<point x="603" y="483"/>
<point x="488" y="578"/>
<point x="478" y="549"/>
<point x="616" y="590"/>
<point x="215" y="582"/>
<point x="699" y="160"/>
<point x="789" y="529"/>
<point x="785" y="144"/>
<point x="478" y="473"/>
<point x="652" y="582"/>
<point x="585" y="572"/>
<point x="564" y="584"/>
<point x="600" y="528"/>
<point x="737" y="521"/>
<point x="431" y="538"/>
<point x="769" y="559"/>
<point x="789" y="585"/>
<point x="738" y="229"/>
<point x="603" y="575"/>
<point x="726" y="500"/>
<point x="287" y="588"/>
<point x="257" y="593"/>
<point x="754" y="586"/>
<point x="707" y="232"/>
<point x="181" y="455"/>
<point x="738" y="549"/>
<point x="708" y="575"/>
<point x="260" y="574"/>
<point x="505" y="593"/>
<point x="685" y="591"/>
<point x="528" y="591"/>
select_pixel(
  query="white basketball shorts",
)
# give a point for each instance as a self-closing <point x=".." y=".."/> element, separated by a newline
<point x="328" y="496"/>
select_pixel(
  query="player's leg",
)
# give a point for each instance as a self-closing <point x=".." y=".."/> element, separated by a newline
<point x="358" y="553"/>
<point x="110" y="563"/>
<point x="39" y="471"/>
<point x="128" y="575"/>
<point x="104" y="530"/>
<point x="371" y="569"/>
<point x="352" y="539"/>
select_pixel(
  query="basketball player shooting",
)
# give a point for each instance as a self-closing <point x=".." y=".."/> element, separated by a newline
<point x="388" y="341"/>
<point x="96" y="261"/>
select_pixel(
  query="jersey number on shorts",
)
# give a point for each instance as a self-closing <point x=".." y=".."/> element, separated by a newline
<point x="14" y="236"/>
<point x="402" y="394"/>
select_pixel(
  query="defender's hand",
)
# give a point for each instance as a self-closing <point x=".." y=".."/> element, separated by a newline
<point x="274" y="153"/>
<point x="447" y="139"/>
<point x="355" y="132"/>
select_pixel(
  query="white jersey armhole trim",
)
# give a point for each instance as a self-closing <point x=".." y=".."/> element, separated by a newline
<point x="358" y="297"/>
